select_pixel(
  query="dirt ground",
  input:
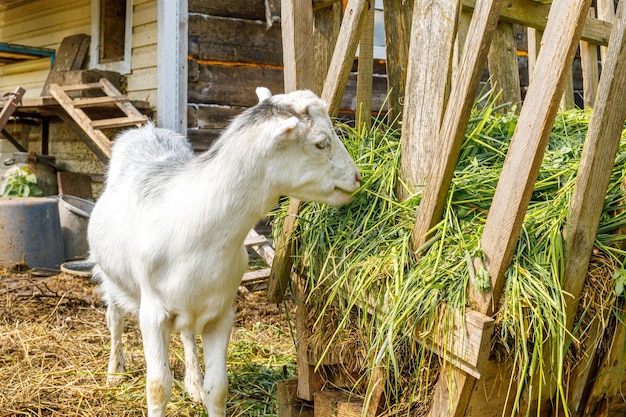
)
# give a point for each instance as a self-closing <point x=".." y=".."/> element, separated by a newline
<point x="54" y="348"/>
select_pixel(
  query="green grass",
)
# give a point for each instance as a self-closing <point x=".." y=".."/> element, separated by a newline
<point x="358" y="258"/>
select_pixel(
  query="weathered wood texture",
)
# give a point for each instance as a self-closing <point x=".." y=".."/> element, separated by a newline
<point x="365" y="71"/>
<point x="433" y="30"/>
<point x="397" y="17"/>
<point x="473" y="61"/>
<point x="503" y="68"/>
<point x="528" y="144"/>
<point x="337" y="404"/>
<point x="234" y="47"/>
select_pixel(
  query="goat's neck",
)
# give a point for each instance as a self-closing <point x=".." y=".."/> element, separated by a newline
<point x="238" y="191"/>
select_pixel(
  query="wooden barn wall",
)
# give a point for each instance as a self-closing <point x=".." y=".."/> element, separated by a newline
<point x="141" y="83"/>
<point x="234" y="47"/>
<point x="41" y="23"/>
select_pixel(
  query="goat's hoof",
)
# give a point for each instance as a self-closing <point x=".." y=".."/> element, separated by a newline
<point x="195" y="392"/>
<point x="115" y="379"/>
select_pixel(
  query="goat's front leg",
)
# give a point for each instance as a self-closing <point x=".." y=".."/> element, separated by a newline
<point x="155" y="332"/>
<point x="115" y="323"/>
<point x="215" y="343"/>
<point x="193" y="374"/>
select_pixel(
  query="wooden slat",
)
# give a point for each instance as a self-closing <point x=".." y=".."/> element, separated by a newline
<point x="365" y="71"/>
<point x="397" y="16"/>
<point x="96" y="137"/>
<point x="254" y="276"/>
<point x="343" y="55"/>
<point x="528" y="144"/>
<point x="254" y="240"/>
<point x="596" y="165"/>
<point x="535" y="15"/>
<point x="118" y="122"/>
<point x="474" y="57"/>
<point x="98" y="101"/>
<point x="427" y="83"/>
<point x="69" y="57"/>
<point x="125" y="106"/>
<point x="503" y="68"/>
<point x="589" y="63"/>
<point x="82" y="86"/>
<point x="10" y="105"/>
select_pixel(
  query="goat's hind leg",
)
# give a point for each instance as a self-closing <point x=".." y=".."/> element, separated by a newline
<point x="193" y="374"/>
<point x="115" y="323"/>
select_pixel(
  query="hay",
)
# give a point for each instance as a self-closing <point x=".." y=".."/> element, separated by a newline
<point x="54" y="348"/>
<point x="362" y="272"/>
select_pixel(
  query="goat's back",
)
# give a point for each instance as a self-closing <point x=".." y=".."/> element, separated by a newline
<point x="147" y="152"/>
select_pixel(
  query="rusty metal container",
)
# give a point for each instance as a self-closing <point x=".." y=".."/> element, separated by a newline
<point x="30" y="233"/>
<point x="74" y="213"/>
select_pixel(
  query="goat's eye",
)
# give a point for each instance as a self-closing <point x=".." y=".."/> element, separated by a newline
<point x="323" y="144"/>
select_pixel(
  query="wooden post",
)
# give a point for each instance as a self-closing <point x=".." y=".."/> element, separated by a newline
<point x="432" y="31"/>
<point x="589" y="63"/>
<point x="523" y="160"/>
<point x="456" y="116"/>
<point x="397" y="16"/>
<point x="365" y="71"/>
<point x="596" y="165"/>
<point x="343" y="55"/>
<point x="503" y="68"/>
<point x="606" y="12"/>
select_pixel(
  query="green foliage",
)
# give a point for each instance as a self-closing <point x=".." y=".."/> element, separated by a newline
<point x="20" y="183"/>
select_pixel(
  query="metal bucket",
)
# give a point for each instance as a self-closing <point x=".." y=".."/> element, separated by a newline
<point x="30" y="233"/>
<point x="74" y="213"/>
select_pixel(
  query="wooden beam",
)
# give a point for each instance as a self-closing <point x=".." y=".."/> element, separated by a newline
<point x="427" y="84"/>
<point x="296" y="28"/>
<point x="596" y="165"/>
<point x="535" y="15"/>
<point x="397" y="16"/>
<point x="523" y="159"/>
<point x="589" y="63"/>
<point x="343" y="55"/>
<point x="456" y="116"/>
<point x="365" y="71"/>
<point x="503" y="69"/>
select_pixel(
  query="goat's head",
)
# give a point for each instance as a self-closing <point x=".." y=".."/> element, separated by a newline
<point x="312" y="162"/>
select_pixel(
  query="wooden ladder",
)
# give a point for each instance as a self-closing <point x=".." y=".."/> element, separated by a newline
<point x="92" y="129"/>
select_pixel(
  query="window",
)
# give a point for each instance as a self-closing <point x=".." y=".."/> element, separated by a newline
<point x="111" y="29"/>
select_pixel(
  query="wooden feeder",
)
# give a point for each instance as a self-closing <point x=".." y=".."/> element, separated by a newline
<point x="459" y="39"/>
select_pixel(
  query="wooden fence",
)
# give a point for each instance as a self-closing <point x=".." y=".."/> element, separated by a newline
<point x="460" y="38"/>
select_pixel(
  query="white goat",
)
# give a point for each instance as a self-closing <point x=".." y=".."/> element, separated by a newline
<point x="167" y="233"/>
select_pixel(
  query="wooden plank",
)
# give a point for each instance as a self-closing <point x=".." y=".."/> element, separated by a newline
<point x="529" y="140"/>
<point x="606" y="12"/>
<point x="343" y="55"/>
<point x="75" y="184"/>
<point x="254" y="240"/>
<point x="125" y="105"/>
<point x="365" y="72"/>
<point x="289" y="405"/>
<point x="297" y="26"/>
<point x="456" y="116"/>
<point x="589" y="63"/>
<point x="337" y="404"/>
<point x="118" y="122"/>
<point x="326" y="24"/>
<point x="503" y="68"/>
<point x="240" y="9"/>
<point x="96" y="137"/>
<point x="98" y="101"/>
<point x="596" y="165"/>
<point x="309" y="381"/>
<point x="10" y="105"/>
<point x="608" y="381"/>
<point x="70" y="56"/>
<point x="255" y="276"/>
<point x="427" y="82"/>
<point x="397" y="19"/>
<point x="234" y="40"/>
<point x="535" y="15"/>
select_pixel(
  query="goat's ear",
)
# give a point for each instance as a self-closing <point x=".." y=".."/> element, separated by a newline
<point x="263" y="93"/>
<point x="286" y="129"/>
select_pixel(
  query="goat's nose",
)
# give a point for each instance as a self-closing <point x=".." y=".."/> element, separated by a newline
<point x="357" y="177"/>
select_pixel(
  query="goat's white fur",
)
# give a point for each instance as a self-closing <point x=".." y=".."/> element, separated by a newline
<point x="167" y="233"/>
